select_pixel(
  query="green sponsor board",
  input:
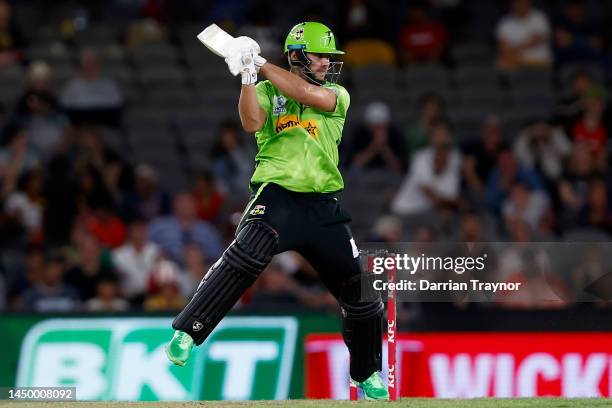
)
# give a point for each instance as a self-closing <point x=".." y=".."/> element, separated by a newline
<point x="123" y="359"/>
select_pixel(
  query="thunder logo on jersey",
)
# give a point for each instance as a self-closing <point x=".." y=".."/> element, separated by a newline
<point x="291" y="121"/>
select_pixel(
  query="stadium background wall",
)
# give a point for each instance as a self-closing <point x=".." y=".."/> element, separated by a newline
<point x="308" y="327"/>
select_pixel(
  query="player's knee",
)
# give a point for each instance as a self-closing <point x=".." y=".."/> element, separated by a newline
<point x="359" y="299"/>
<point x="252" y="249"/>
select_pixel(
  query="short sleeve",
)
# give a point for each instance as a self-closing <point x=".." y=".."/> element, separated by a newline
<point x="343" y="100"/>
<point x="500" y="30"/>
<point x="263" y="96"/>
<point x="541" y="24"/>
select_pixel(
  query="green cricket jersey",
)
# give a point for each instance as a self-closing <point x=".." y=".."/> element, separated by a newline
<point x="298" y="145"/>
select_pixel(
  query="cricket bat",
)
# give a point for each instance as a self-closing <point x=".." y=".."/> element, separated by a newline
<point x="215" y="39"/>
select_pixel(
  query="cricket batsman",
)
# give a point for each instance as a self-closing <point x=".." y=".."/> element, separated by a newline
<point x="297" y="117"/>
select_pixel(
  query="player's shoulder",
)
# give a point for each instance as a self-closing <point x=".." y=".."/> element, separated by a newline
<point x="336" y="88"/>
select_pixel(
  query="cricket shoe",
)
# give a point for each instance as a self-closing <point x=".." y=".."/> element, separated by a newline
<point x="373" y="387"/>
<point x="179" y="348"/>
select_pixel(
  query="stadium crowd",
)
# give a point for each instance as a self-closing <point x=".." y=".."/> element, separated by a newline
<point x="117" y="191"/>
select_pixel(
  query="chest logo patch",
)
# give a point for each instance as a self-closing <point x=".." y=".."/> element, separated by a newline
<point x="279" y="105"/>
<point x="291" y="121"/>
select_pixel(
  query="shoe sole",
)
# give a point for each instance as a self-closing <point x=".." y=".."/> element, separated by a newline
<point x="173" y="359"/>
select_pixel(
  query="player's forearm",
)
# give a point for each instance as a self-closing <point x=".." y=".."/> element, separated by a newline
<point x="249" y="109"/>
<point x="288" y="83"/>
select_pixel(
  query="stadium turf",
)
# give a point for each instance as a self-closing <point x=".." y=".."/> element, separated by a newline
<point x="407" y="402"/>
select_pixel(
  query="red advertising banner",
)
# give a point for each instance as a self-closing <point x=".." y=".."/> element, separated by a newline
<point x="472" y="365"/>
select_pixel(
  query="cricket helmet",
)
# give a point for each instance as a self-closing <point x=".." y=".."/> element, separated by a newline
<point x="316" y="38"/>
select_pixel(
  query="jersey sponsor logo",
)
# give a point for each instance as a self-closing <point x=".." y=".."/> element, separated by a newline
<point x="286" y="122"/>
<point x="291" y="121"/>
<point x="279" y="103"/>
<point x="311" y="127"/>
<point x="258" y="210"/>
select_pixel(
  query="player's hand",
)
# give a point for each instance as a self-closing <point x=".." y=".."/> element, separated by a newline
<point x="242" y="57"/>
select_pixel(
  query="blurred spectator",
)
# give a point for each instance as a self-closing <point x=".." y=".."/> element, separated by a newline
<point x="38" y="112"/>
<point x="114" y="174"/>
<point x="49" y="293"/>
<point x="164" y="288"/>
<point x="135" y="260"/>
<point x="481" y="157"/>
<point x="91" y="191"/>
<point x="104" y="224"/>
<point x="207" y="198"/>
<point x="360" y="19"/>
<point x="232" y="159"/>
<point x="99" y="168"/>
<point x="146" y="200"/>
<point x="591" y="127"/>
<point x="573" y="189"/>
<point x="194" y="271"/>
<point x="92" y="266"/>
<point x="541" y="287"/>
<point x="431" y="108"/>
<point x="387" y="229"/>
<point x="591" y="266"/>
<point x="597" y="212"/>
<point x="523" y="37"/>
<point x="528" y="206"/>
<point x="21" y="279"/>
<point x="470" y="229"/>
<point x="571" y="106"/>
<point x="15" y="159"/>
<point x="91" y="97"/>
<point x="172" y="233"/>
<point x="578" y="36"/>
<point x="27" y="204"/>
<point x="504" y="176"/>
<point x="433" y="179"/>
<point x="377" y="143"/>
<point x="12" y="41"/>
<point x="107" y="297"/>
<point x="422" y="39"/>
<point x="261" y="16"/>
<point x="543" y="147"/>
<point x="275" y="287"/>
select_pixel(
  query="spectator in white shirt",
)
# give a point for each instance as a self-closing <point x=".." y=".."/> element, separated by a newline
<point x="107" y="298"/>
<point x="543" y="147"/>
<point x="91" y="97"/>
<point x="434" y="177"/>
<point x="26" y="204"/>
<point x="523" y="37"/>
<point x="135" y="260"/>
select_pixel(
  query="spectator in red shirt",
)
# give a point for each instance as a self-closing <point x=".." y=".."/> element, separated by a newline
<point x="422" y="39"/>
<point x="107" y="227"/>
<point x="207" y="198"/>
<point x="591" y="128"/>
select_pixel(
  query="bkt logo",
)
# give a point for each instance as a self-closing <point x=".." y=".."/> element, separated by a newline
<point x="124" y="359"/>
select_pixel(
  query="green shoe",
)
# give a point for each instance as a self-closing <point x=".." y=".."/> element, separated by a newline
<point x="179" y="348"/>
<point x="373" y="388"/>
